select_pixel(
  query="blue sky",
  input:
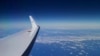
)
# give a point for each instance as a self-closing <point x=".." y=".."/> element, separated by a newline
<point x="57" y="14"/>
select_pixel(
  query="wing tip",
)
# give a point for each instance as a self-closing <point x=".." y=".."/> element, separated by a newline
<point x="33" y="23"/>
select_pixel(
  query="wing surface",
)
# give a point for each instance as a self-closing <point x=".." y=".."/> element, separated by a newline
<point x="19" y="44"/>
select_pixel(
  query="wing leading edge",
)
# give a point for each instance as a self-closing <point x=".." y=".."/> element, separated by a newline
<point x="19" y="44"/>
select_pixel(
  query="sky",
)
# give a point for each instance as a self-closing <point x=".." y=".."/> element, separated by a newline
<point x="56" y="14"/>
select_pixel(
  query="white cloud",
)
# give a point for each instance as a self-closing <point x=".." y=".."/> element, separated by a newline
<point x="50" y="40"/>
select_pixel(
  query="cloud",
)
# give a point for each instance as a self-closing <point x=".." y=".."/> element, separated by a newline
<point x="50" y="40"/>
<point x="75" y="42"/>
<point x="54" y="36"/>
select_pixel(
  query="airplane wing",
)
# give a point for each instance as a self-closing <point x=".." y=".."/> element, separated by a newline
<point x="19" y="44"/>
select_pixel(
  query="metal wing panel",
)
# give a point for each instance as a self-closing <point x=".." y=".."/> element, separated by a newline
<point x="17" y="44"/>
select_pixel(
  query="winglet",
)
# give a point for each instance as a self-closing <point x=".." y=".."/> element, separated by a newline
<point x="33" y="23"/>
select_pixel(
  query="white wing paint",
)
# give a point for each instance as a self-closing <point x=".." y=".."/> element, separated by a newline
<point x="19" y="44"/>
